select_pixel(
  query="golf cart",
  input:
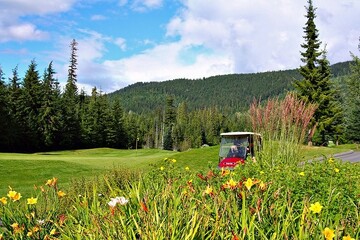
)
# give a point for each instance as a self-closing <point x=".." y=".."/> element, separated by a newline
<point x="236" y="147"/>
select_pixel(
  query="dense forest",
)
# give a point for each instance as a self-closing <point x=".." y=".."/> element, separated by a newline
<point x="229" y="93"/>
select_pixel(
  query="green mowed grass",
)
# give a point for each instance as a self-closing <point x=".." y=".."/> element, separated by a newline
<point x="23" y="171"/>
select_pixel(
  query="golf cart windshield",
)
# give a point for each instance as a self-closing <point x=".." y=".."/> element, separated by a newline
<point x="234" y="146"/>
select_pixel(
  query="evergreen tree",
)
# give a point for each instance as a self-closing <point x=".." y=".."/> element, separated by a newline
<point x="330" y="125"/>
<point x="70" y="110"/>
<point x="17" y="125"/>
<point x="117" y="135"/>
<point x="96" y="121"/>
<point x="353" y="101"/>
<point x="50" y="112"/>
<point x="131" y="123"/>
<point x="315" y="87"/>
<point x="170" y="117"/>
<point x="30" y="103"/>
<point x="5" y="120"/>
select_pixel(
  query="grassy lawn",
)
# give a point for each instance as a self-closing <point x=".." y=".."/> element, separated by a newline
<point x="314" y="152"/>
<point x="23" y="171"/>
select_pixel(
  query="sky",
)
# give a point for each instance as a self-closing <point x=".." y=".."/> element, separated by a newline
<point x="121" y="42"/>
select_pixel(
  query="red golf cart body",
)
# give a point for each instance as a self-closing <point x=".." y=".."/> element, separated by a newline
<point x="236" y="147"/>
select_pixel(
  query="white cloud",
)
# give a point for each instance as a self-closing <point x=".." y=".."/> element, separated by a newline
<point x="21" y="32"/>
<point x="266" y="35"/>
<point x="23" y="7"/>
<point x="163" y="63"/>
<point x="121" y="42"/>
<point x="255" y="33"/>
<point x="15" y="29"/>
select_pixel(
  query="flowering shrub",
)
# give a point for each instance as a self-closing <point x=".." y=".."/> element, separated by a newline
<point x="171" y="202"/>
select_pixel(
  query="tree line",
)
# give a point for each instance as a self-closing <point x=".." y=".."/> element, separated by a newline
<point x="37" y="115"/>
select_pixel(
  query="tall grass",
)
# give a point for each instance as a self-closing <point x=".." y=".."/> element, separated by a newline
<point x="283" y="125"/>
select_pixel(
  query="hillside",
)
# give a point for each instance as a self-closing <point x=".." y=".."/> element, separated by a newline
<point x="232" y="92"/>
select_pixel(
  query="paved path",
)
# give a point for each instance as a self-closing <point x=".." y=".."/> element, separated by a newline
<point x="350" y="156"/>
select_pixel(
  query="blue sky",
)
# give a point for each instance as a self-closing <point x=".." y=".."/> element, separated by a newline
<point x="122" y="42"/>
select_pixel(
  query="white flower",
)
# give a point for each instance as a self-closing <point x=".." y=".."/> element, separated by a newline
<point x="112" y="203"/>
<point x="118" y="200"/>
<point x="41" y="221"/>
<point x="122" y="200"/>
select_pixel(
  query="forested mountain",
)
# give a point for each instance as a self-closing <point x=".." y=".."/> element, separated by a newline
<point x="230" y="93"/>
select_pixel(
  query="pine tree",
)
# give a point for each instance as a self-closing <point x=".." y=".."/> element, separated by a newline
<point x="30" y="102"/>
<point x="330" y="125"/>
<point x="315" y="87"/>
<point x="50" y="112"/>
<point x="17" y="125"/>
<point x="5" y="120"/>
<point x="117" y="136"/>
<point x="170" y="117"/>
<point x="353" y="100"/>
<point x="70" y="109"/>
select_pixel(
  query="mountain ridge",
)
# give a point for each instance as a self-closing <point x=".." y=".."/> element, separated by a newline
<point x="227" y="92"/>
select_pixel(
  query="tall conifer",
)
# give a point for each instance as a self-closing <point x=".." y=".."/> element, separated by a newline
<point x="30" y="102"/>
<point x="315" y="87"/>
<point x="50" y="111"/>
<point x="353" y="100"/>
<point x="5" y="127"/>
<point x="70" y="117"/>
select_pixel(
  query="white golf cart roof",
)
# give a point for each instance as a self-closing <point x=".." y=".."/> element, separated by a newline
<point x="238" y="133"/>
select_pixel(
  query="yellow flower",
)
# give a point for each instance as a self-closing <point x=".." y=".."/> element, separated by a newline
<point x="173" y="160"/>
<point x="13" y="195"/>
<point x="328" y="233"/>
<point x="230" y="184"/>
<point x="331" y="160"/>
<point x="224" y="171"/>
<point x="336" y="170"/>
<point x="187" y="168"/>
<point x="61" y="194"/>
<point x="53" y="232"/>
<point x="31" y="201"/>
<point x="3" y="200"/>
<point x="36" y="229"/>
<point x="51" y="182"/>
<point x="29" y="234"/>
<point x="15" y="225"/>
<point x="301" y="173"/>
<point x="209" y="190"/>
<point x="316" y="208"/>
<point x="162" y="168"/>
<point x="348" y="238"/>
<point x="249" y="183"/>
<point x="262" y="185"/>
<point x="17" y="228"/>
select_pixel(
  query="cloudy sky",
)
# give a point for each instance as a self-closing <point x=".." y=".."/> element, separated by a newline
<point x="126" y="41"/>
